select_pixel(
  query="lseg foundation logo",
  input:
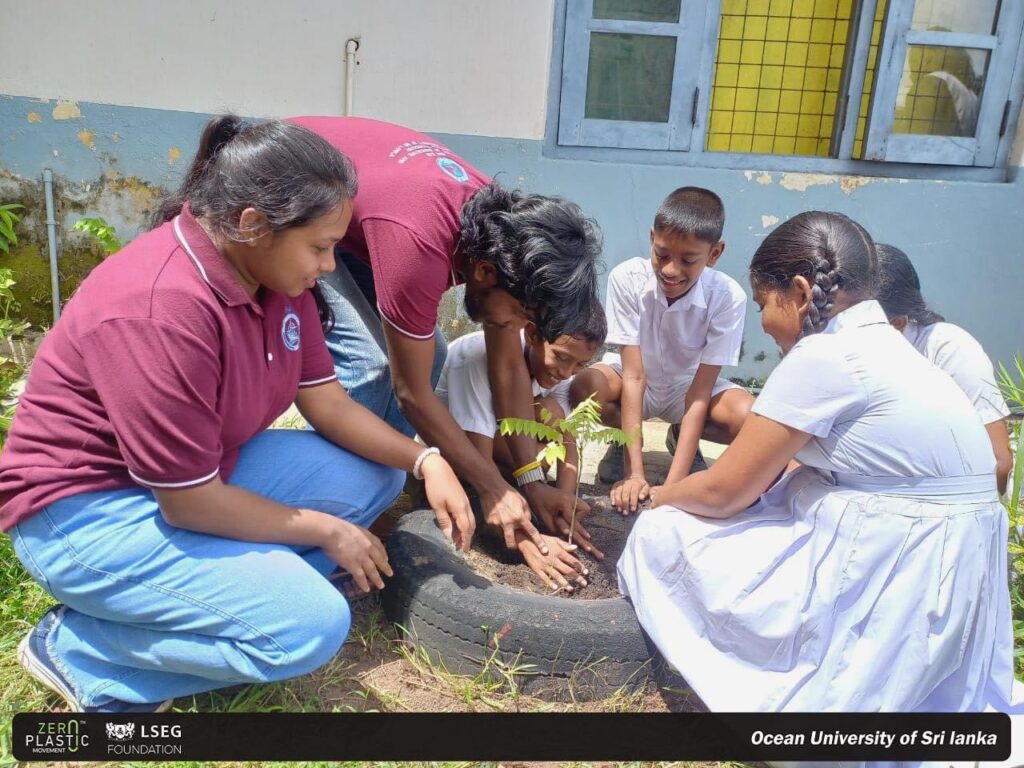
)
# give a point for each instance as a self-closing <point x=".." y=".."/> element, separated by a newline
<point x="63" y="737"/>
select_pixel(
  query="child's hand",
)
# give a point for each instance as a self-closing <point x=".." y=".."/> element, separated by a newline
<point x="554" y="507"/>
<point x="556" y="567"/>
<point x="448" y="500"/>
<point x="627" y="494"/>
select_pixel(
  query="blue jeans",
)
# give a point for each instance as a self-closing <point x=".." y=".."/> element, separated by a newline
<point x="357" y="341"/>
<point x="156" y="612"/>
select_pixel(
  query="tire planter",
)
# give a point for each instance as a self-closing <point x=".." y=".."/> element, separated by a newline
<point x="581" y="649"/>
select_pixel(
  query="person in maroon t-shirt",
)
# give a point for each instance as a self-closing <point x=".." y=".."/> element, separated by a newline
<point x="190" y="547"/>
<point x="424" y="221"/>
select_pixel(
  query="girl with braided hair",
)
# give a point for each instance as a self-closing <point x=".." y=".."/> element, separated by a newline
<point x="949" y="346"/>
<point x="872" y="578"/>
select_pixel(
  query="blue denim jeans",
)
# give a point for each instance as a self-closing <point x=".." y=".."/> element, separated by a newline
<point x="156" y="612"/>
<point x="357" y="341"/>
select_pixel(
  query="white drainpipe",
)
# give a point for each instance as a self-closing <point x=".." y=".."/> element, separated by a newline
<point x="351" y="46"/>
<point x="51" y="236"/>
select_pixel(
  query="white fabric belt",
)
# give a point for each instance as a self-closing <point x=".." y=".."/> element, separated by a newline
<point x="967" y="488"/>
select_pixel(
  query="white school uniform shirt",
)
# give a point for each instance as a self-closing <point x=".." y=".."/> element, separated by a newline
<point x="704" y="326"/>
<point x="960" y="355"/>
<point x="465" y="388"/>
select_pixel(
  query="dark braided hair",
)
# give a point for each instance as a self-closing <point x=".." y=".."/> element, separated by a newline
<point x="831" y="251"/>
<point x="286" y="172"/>
<point x="899" y="287"/>
<point x="544" y="250"/>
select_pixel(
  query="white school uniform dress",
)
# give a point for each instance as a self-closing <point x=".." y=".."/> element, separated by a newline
<point x="466" y="390"/>
<point x="874" y="578"/>
<point x="960" y="355"/>
<point x="704" y="326"/>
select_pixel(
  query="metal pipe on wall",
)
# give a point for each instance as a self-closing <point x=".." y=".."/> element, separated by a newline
<point x="351" y="46"/>
<point x="51" y="236"/>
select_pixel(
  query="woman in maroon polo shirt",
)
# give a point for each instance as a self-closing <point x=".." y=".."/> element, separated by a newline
<point x="189" y="547"/>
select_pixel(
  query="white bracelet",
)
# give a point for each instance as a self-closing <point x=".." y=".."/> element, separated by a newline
<point x="419" y="461"/>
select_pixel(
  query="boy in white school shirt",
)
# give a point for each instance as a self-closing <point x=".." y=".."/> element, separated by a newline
<point x="464" y="387"/>
<point x="678" y="321"/>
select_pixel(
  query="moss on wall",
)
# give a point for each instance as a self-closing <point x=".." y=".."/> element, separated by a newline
<point x="31" y="267"/>
<point x="124" y="202"/>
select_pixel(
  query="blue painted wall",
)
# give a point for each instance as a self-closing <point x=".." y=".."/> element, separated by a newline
<point x="965" y="237"/>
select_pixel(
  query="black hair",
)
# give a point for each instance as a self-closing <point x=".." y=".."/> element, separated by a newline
<point x="595" y="329"/>
<point x="899" y="287"/>
<point x="831" y="251"/>
<point x="545" y="252"/>
<point x="286" y="172"/>
<point x="692" y="211"/>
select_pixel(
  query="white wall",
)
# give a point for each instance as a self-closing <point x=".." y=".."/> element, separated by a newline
<point x="453" y="66"/>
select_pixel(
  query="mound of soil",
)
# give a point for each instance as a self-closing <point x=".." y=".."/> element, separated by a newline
<point x="608" y="529"/>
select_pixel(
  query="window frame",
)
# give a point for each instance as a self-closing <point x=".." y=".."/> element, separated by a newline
<point x="881" y="143"/>
<point x="851" y="93"/>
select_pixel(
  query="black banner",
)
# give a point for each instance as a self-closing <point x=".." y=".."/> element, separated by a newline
<point x="533" y="736"/>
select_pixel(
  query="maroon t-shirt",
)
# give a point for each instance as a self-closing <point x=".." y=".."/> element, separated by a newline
<point x="405" y="221"/>
<point x="159" y="370"/>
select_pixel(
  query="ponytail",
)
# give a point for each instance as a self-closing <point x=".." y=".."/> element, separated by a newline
<point x="832" y="252"/>
<point x="899" y="288"/>
<point x="286" y="172"/>
<point x="218" y="132"/>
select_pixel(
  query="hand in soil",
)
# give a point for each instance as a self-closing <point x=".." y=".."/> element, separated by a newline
<point x="581" y="537"/>
<point x="509" y="512"/>
<point x="557" y="566"/>
<point x="554" y="507"/>
<point x="447" y="498"/>
<point x="628" y="494"/>
<point x="360" y="553"/>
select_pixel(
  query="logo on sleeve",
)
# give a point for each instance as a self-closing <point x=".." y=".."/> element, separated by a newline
<point x="290" y="330"/>
<point x="453" y="169"/>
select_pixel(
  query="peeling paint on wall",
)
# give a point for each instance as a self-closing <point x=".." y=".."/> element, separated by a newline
<point x="34" y="117"/>
<point x="172" y="155"/>
<point x="799" y="182"/>
<point x="764" y="178"/>
<point x="88" y="138"/>
<point x="769" y="221"/>
<point x="66" y="110"/>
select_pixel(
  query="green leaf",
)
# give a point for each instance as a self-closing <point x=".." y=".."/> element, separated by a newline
<point x="534" y="429"/>
<point x="553" y="453"/>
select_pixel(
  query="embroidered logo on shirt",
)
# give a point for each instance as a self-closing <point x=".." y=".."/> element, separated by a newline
<point x="290" y="328"/>
<point x="453" y="169"/>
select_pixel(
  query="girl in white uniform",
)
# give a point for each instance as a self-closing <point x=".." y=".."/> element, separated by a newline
<point x="873" y="577"/>
<point x="948" y="346"/>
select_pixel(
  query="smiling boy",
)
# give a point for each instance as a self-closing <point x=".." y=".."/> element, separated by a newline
<point x="677" y="321"/>
<point x="465" y="389"/>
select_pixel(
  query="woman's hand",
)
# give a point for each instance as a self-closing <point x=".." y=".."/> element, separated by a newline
<point x="627" y="494"/>
<point x="360" y="553"/>
<point x="557" y="566"/>
<point x="449" y="502"/>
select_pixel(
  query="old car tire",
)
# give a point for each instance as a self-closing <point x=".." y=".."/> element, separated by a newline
<point x="586" y="649"/>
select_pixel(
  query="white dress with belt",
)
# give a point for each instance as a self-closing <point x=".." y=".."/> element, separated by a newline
<point x="873" y="578"/>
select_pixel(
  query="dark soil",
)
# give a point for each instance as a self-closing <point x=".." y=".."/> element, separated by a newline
<point x="608" y="529"/>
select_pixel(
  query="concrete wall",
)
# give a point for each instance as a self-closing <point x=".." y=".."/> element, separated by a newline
<point x="481" y="94"/>
<point x="454" y="66"/>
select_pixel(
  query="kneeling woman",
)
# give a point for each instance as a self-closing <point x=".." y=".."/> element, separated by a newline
<point x="189" y="548"/>
<point x="873" y="577"/>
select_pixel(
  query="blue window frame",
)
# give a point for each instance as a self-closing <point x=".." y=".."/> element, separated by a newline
<point x="613" y="95"/>
<point x="983" y="54"/>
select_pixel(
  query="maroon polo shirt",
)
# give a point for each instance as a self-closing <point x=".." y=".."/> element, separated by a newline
<point x="157" y="373"/>
<point x="405" y="219"/>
